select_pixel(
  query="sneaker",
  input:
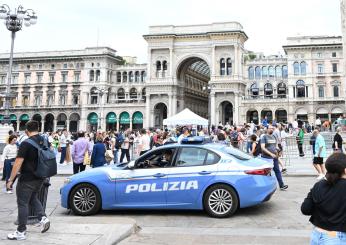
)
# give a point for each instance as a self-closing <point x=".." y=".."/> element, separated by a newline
<point x="9" y="191"/>
<point x="284" y="170"/>
<point x="44" y="224"/>
<point x="17" y="235"/>
<point x="284" y="187"/>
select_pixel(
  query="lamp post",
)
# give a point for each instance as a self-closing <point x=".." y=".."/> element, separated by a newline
<point x="14" y="22"/>
<point x="208" y="88"/>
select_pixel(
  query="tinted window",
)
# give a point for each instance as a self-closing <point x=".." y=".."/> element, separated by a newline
<point x="212" y="158"/>
<point x="238" y="153"/>
<point x="190" y="156"/>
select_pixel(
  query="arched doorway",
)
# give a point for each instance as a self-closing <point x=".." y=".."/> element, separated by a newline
<point x="124" y="120"/>
<point x="252" y="116"/>
<point x="74" y="119"/>
<point x="267" y="113"/>
<point x="61" y="121"/>
<point x="111" y="121"/>
<point x="302" y="114"/>
<point x="226" y="113"/>
<point x="322" y="113"/>
<point x="24" y="118"/>
<point x="160" y="113"/>
<point x="281" y="116"/>
<point x="137" y="120"/>
<point x="38" y="118"/>
<point x="49" y="123"/>
<point x="336" y="113"/>
<point x="193" y="75"/>
<point x="92" y="122"/>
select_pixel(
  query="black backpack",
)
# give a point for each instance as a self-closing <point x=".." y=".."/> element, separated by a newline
<point x="257" y="149"/>
<point x="46" y="165"/>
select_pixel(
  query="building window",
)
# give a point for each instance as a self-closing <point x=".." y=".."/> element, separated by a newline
<point x="3" y="79"/>
<point x="258" y="73"/>
<point x="320" y="91"/>
<point x="251" y="73"/>
<point x="50" y="100"/>
<point x="75" y="99"/>
<point x="335" y="67"/>
<point x="28" y="67"/>
<point x="130" y="76"/>
<point x="26" y="100"/>
<point x="51" y="78"/>
<point x="39" y="78"/>
<point x="300" y="85"/>
<point x="229" y="66"/>
<point x="334" y="54"/>
<point x="303" y="68"/>
<point x="254" y="90"/>
<point x="40" y="66"/>
<point x="52" y="66"/>
<point x="271" y="72"/>
<point x="98" y="74"/>
<point x="91" y="75"/>
<point x="62" y="100"/>
<point x="158" y="68"/>
<point x="38" y="100"/>
<point x="64" y="77"/>
<point x="336" y="91"/>
<point x="93" y="98"/>
<point x="143" y="76"/>
<point x="278" y="72"/>
<point x="164" y="68"/>
<point x="14" y="79"/>
<point x="284" y="72"/>
<point x="65" y="66"/>
<point x="264" y="72"/>
<point x="282" y="90"/>
<point x="320" y="68"/>
<point x="121" y="94"/>
<point x="137" y="76"/>
<point x="27" y="79"/>
<point x="118" y="77"/>
<point x="268" y="90"/>
<point x="77" y="77"/>
<point x="124" y="77"/>
<point x="133" y="93"/>
<point x="296" y="68"/>
<point x="222" y="67"/>
<point x="319" y="55"/>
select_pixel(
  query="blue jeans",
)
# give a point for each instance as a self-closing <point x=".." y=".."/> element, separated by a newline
<point x="63" y="154"/>
<point x="8" y="168"/>
<point x="276" y="169"/>
<point x="248" y="146"/>
<point x="115" y="160"/>
<point x="326" y="238"/>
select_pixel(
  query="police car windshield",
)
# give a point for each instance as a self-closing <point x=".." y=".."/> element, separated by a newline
<point x="237" y="153"/>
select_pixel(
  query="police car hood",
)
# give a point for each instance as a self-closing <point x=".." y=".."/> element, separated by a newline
<point x="105" y="171"/>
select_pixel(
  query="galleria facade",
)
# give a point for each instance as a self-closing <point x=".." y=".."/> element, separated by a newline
<point x="193" y="66"/>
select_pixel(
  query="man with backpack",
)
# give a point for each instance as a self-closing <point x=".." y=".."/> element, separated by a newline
<point x="29" y="163"/>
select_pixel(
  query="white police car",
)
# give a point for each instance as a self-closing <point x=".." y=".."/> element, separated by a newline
<point x="191" y="175"/>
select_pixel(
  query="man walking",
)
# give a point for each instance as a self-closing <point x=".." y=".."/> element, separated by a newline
<point x="80" y="148"/>
<point x="28" y="184"/>
<point x="63" y="145"/>
<point x="270" y="154"/>
<point x="320" y="153"/>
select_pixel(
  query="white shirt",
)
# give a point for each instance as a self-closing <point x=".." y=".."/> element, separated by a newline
<point x="62" y="141"/>
<point x="318" y="122"/>
<point x="22" y="138"/>
<point x="145" y="142"/>
<point x="295" y="124"/>
<point x="10" y="151"/>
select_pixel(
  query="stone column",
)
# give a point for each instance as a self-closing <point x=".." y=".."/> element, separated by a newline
<point x="149" y="64"/>
<point x="68" y="125"/>
<point x="18" y="122"/>
<point x="170" y="105"/>
<point x="236" y="61"/>
<point x="213" y="61"/>
<point x="54" y="124"/>
<point x="147" y="112"/>
<point x="131" y="125"/>
<point x="236" y="110"/>
<point x="42" y="128"/>
<point x="171" y="62"/>
<point x="174" y="104"/>
<point x="121" y="77"/>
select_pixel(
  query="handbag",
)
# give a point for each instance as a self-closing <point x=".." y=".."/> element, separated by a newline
<point x="86" y="160"/>
<point x="109" y="155"/>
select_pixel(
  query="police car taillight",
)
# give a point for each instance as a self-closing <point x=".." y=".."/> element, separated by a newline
<point x="264" y="171"/>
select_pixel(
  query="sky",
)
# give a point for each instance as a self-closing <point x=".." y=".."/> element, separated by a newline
<point x="77" y="24"/>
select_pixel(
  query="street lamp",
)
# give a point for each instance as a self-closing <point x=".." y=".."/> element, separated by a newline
<point x="208" y="88"/>
<point x="101" y="92"/>
<point x="14" y="21"/>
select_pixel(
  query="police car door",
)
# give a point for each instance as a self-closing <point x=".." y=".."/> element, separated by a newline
<point x="194" y="168"/>
<point x="142" y="187"/>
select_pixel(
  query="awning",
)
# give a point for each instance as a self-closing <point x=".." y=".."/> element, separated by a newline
<point x="111" y="117"/>
<point x="137" y="117"/>
<point x="24" y="117"/>
<point x="1" y="117"/>
<point x="322" y="111"/>
<point x="13" y="117"/>
<point x="301" y="111"/>
<point x="125" y="118"/>
<point x="93" y="118"/>
<point x="337" y="110"/>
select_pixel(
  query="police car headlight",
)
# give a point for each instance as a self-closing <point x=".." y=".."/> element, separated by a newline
<point x="67" y="181"/>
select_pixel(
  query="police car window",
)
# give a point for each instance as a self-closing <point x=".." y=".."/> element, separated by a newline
<point x="191" y="156"/>
<point x="238" y="153"/>
<point x="157" y="159"/>
<point x="212" y="158"/>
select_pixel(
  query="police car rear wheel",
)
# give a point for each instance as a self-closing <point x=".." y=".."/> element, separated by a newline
<point x="220" y="201"/>
<point x="85" y="200"/>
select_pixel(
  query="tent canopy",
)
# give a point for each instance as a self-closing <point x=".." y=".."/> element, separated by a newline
<point x="186" y="117"/>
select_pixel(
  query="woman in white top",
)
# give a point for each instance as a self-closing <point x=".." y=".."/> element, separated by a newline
<point x="125" y="149"/>
<point x="9" y="155"/>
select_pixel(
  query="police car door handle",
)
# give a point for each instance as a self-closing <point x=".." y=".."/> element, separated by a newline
<point x="204" y="172"/>
<point x="159" y="175"/>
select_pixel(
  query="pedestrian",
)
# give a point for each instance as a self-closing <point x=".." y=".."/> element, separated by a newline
<point x="80" y="148"/>
<point x="98" y="154"/>
<point x="28" y="184"/>
<point x="300" y="141"/>
<point x="125" y="148"/>
<point x="9" y="156"/>
<point x="318" y="122"/>
<point x="63" y="145"/>
<point x="326" y="204"/>
<point x="221" y="139"/>
<point x="144" y="142"/>
<point x="337" y="141"/>
<point x="255" y="146"/>
<point x="269" y="153"/>
<point x="320" y="153"/>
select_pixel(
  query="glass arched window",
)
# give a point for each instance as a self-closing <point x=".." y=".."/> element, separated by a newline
<point x="271" y="72"/>
<point x="282" y="90"/>
<point x="133" y="93"/>
<point x="164" y="68"/>
<point x="229" y="66"/>
<point x="258" y="73"/>
<point x="278" y="72"/>
<point x="254" y="90"/>
<point x="144" y="94"/>
<point x="124" y="77"/>
<point x="320" y="91"/>
<point x="130" y="76"/>
<point x="137" y="76"/>
<point x="284" y="72"/>
<point x="264" y="72"/>
<point x="121" y="94"/>
<point x="93" y="97"/>
<point x="222" y="67"/>
<point x="118" y="77"/>
<point x="251" y="73"/>
<point x="296" y="68"/>
<point x="303" y="68"/>
<point x="91" y="75"/>
<point x="143" y="76"/>
<point x="268" y="90"/>
<point x="300" y="86"/>
<point x="98" y="74"/>
<point x="336" y="91"/>
<point x="158" y="65"/>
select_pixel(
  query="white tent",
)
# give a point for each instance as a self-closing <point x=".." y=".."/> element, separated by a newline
<point x="185" y="117"/>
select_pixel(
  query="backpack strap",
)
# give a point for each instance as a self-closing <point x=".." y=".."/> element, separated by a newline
<point x="33" y="143"/>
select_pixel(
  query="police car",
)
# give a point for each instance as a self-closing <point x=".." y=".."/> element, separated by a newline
<point x="191" y="175"/>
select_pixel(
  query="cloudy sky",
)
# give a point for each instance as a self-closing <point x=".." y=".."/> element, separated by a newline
<point x="76" y="24"/>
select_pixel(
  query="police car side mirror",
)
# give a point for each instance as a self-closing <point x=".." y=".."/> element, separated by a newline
<point x="131" y="165"/>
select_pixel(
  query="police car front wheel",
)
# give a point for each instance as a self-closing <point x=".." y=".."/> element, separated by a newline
<point x="85" y="199"/>
<point x="220" y="201"/>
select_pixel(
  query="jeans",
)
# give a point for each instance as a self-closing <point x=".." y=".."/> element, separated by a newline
<point x="125" y="152"/>
<point x="116" y="159"/>
<point x="63" y="154"/>
<point x="78" y="167"/>
<point x="8" y="168"/>
<point x="327" y="238"/>
<point x="300" y="149"/>
<point x="248" y="146"/>
<point x="27" y="195"/>
<point x="276" y="169"/>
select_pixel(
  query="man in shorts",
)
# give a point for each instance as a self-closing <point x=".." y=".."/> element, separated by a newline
<point x="320" y="153"/>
